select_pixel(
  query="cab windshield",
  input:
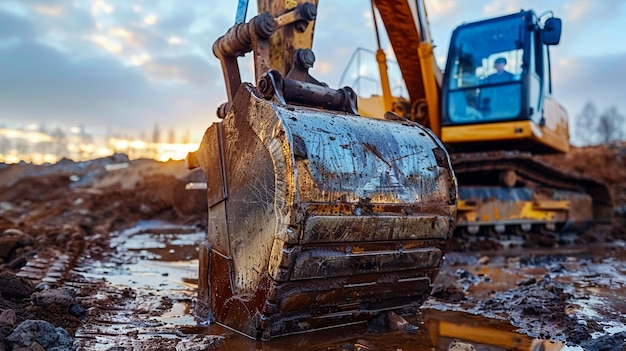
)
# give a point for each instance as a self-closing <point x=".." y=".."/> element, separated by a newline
<point x="485" y="72"/>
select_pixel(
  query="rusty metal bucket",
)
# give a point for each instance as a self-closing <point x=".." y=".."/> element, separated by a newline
<point x="318" y="218"/>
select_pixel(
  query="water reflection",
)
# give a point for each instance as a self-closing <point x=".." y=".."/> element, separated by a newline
<point x="154" y="262"/>
<point x="436" y="330"/>
<point x="483" y="333"/>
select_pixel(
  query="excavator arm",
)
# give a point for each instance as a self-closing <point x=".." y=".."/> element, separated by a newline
<point x="318" y="217"/>
<point x="408" y="30"/>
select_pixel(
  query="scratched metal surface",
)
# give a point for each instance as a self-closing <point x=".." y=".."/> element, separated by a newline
<point x="353" y="158"/>
<point x="320" y="202"/>
<point x="281" y="158"/>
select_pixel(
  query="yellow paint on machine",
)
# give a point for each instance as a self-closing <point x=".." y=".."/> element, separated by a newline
<point x="502" y="131"/>
<point x="493" y="211"/>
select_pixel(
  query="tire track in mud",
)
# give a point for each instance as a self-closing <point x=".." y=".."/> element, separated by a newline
<point x="140" y="294"/>
<point x="134" y="299"/>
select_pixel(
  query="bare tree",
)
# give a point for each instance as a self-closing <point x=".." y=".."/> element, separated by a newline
<point x="5" y="145"/>
<point x="156" y="134"/>
<point x="592" y="128"/>
<point x="171" y="136"/>
<point x="60" y="143"/>
<point x="611" y="126"/>
<point x="156" y="139"/>
<point x="584" y="125"/>
<point x="186" y="138"/>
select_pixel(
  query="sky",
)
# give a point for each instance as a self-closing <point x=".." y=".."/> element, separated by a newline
<point x="126" y="65"/>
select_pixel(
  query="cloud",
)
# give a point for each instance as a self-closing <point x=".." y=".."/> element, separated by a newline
<point x="590" y="79"/>
<point x="441" y="7"/>
<point x="101" y="7"/>
<point x="335" y="41"/>
<point x="585" y="11"/>
<point x="501" y="7"/>
<point x="188" y="69"/>
<point x="102" y="63"/>
<point x="107" y="43"/>
<point x="14" y="27"/>
<point x="599" y="80"/>
<point x="150" y="19"/>
<point x="49" y="10"/>
<point x="44" y="85"/>
<point x="99" y="64"/>
<point x="43" y="82"/>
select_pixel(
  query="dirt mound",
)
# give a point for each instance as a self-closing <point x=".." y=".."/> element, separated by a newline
<point x="66" y="203"/>
<point x="12" y="287"/>
<point x="605" y="162"/>
<point x="70" y="207"/>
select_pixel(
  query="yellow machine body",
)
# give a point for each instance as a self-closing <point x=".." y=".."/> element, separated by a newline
<point x="492" y="126"/>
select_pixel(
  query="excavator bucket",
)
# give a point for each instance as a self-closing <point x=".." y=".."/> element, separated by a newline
<point x="318" y="218"/>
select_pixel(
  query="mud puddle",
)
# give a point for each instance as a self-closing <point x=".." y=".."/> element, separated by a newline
<point x="143" y="289"/>
<point x="435" y="331"/>
<point x="142" y="296"/>
<point x="570" y="293"/>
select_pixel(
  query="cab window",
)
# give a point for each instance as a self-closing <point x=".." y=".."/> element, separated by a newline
<point x="485" y="71"/>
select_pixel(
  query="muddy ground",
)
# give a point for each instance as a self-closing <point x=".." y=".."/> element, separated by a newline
<point x="102" y="255"/>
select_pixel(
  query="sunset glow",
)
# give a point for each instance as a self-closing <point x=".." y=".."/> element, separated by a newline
<point x="38" y="147"/>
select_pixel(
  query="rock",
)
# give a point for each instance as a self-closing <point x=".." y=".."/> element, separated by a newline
<point x="6" y="206"/>
<point x="26" y="240"/>
<point x="450" y="293"/>
<point x="13" y="287"/>
<point x="13" y="231"/>
<point x="465" y="279"/>
<point x="526" y="282"/>
<point x="36" y="347"/>
<point x="61" y="239"/>
<point x="43" y="333"/>
<point x="457" y="345"/>
<point x="45" y="285"/>
<point x="605" y="342"/>
<point x="464" y="274"/>
<point x="63" y="298"/>
<point x="396" y="322"/>
<point x="483" y="260"/>
<point x="11" y="239"/>
<point x="33" y="347"/>
<point x="7" y="318"/>
<point x="363" y="345"/>
<point x="7" y="244"/>
<point x="17" y="262"/>
<point x="77" y="311"/>
<point x="199" y="343"/>
<point x="145" y="209"/>
<point x="76" y="244"/>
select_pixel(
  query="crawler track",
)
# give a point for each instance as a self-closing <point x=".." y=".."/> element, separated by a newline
<point x="135" y="299"/>
<point x="558" y="199"/>
<point x="531" y="170"/>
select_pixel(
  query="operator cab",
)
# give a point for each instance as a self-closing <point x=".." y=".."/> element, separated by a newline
<point x="497" y="85"/>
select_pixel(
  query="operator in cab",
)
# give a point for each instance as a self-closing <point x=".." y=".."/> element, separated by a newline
<point x="501" y="74"/>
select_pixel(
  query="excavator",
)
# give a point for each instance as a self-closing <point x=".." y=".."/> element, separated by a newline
<point x="323" y="215"/>
<point x="493" y="121"/>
